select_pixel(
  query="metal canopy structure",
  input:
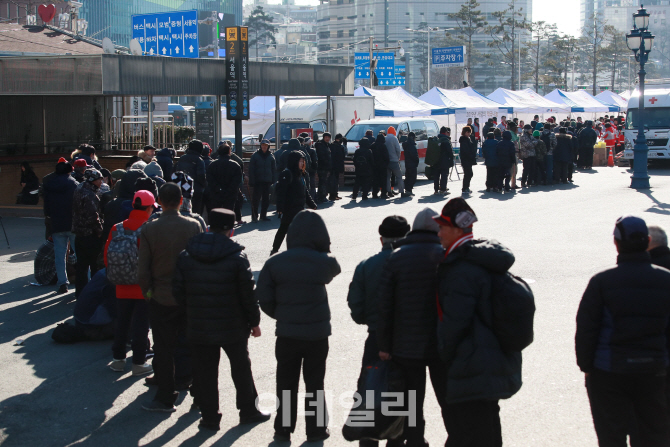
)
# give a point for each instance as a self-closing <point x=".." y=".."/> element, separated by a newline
<point x="119" y="75"/>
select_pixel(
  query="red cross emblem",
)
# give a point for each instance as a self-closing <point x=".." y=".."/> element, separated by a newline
<point x="356" y="118"/>
<point x="653" y="100"/>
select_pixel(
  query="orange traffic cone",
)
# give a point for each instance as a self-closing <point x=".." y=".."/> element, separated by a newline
<point x="610" y="158"/>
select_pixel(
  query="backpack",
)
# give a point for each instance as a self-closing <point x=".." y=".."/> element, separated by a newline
<point x="123" y="256"/>
<point x="67" y="333"/>
<point x="513" y="306"/>
<point x="433" y="151"/>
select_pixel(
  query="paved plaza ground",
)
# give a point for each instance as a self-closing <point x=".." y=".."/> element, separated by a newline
<point x="57" y="395"/>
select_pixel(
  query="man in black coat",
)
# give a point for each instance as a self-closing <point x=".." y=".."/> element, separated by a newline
<point x="411" y="162"/>
<point x="380" y="154"/>
<point x="658" y="247"/>
<point x="364" y="164"/>
<point x="224" y="177"/>
<point x="323" y="153"/>
<point x="445" y="163"/>
<point x="623" y="326"/>
<point x="165" y="158"/>
<point x="213" y="279"/>
<point x="337" y="154"/>
<point x="262" y="174"/>
<point x="406" y="329"/>
<point x="587" y="139"/>
<point x="313" y="167"/>
<point x="192" y="164"/>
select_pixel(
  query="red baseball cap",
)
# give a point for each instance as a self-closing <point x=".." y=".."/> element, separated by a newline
<point x="80" y="163"/>
<point x="146" y="198"/>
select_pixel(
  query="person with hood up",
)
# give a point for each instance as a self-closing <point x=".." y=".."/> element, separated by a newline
<point x="364" y="165"/>
<point x="394" y="151"/>
<point x="262" y="174"/>
<point x="587" y="140"/>
<point x="411" y="162"/>
<point x="506" y="155"/>
<point x="337" y="155"/>
<point x="323" y="153"/>
<point x="468" y="155"/>
<point x="86" y="152"/>
<point x="406" y="329"/>
<point x="292" y="195"/>
<point x="381" y="157"/>
<point x="527" y="154"/>
<point x="224" y="177"/>
<point x="192" y="164"/>
<point x="445" y="163"/>
<point x="154" y="171"/>
<point x="292" y="290"/>
<point x="87" y="227"/>
<point x="114" y="210"/>
<point x="479" y="372"/>
<point x="490" y="151"/>
<point x="562" y="156"/>
<point x="58" y="191"/>
<point x="165" y="158"/>
<point x="30" y="186"/>
<point x="214" y="282"/>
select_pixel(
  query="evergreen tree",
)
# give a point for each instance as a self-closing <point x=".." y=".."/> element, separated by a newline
<point x="260" y="25"/>
<point x="470" y="21"/>
<point x="505" y="36"/>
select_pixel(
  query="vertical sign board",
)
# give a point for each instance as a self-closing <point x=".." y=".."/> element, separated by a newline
<point x="172" y="34"/>
<point x="237" y="73"/>
<point x="204" y="123"/>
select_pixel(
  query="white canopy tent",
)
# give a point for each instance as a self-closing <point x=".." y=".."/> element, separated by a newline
<point x="581" y="103"/>
<point x="397" y="102"/>
<point x="610" y="98"/>
<point x="526" y="103"/>
<point x="262" y="110"/>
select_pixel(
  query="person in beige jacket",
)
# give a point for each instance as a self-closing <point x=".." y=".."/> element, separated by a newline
<point x="161" y="242"/>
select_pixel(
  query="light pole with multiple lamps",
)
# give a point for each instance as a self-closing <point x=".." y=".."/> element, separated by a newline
<point x="640" y="41"/>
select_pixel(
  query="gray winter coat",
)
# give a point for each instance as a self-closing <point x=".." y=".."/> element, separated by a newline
<point x="262" y="168"/>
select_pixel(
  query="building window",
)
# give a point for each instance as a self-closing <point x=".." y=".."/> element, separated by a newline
<point x="340" y="33"/>
<point x="340" y="18"/>
<point x="352" y="32"/>
<point x="407" y="13"/>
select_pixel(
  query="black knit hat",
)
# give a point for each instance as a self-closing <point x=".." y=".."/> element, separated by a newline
<point x="394" y="227"/>
<point x="146" y="184"/>
<point x="221" y="219"/>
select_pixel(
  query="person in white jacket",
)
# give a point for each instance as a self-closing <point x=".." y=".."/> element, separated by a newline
<point x="393" y="146"/>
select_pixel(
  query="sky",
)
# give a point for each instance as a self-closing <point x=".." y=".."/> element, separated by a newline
<point x="564" y="14"/>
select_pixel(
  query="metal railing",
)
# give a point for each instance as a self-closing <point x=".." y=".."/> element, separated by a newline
<point x="130" y="133"/>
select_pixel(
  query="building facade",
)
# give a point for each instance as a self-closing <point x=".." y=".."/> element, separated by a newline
<point x="619" y="13"/>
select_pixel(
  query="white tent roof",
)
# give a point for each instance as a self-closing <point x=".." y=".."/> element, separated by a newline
<point x="262" y="115"/>
<point x="580" y="101"/>
<point x="626" y="95"/>
<point x="465" y="98"/>
<point x="611" y="98"/>
<point x="397" y="102"/>
<point x="527" y="101"/>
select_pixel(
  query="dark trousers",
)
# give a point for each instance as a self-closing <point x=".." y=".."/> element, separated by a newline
<point x="132" y="318"/>
<point x="291" y="355"/>
<point x="197" y="201"/>
<point x="261" y="196"/>
<point x="323" y="185"/>
<point x="414" y="371"/>
<point x="540" y="171"/>
<point x="312" y="184"/>
<point x="238" y="206"/>
<point x="281" y="232"/>
<point x="467" y="175"/>
<point x="410" y="177"/>
<point x="474" y="424"/>
<point x="571" y="169"/>
<point x="87" y="249"/>
<point x="505" y="177"/>
<point x="492" y="174"/>
<point x="364" y="183"/>
<point x="333" y="184"/>
<point x="560" y="171"/>
<point x="168" y="323"/>
<point x="205" y="388"/>
<point x="379" y="182"/>
<point x="615" y="397"/>
<point x="528" y="176"/>
<point x="441" y="178"/>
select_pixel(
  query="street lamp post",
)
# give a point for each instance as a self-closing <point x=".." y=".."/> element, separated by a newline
<point x="640" y="41"/>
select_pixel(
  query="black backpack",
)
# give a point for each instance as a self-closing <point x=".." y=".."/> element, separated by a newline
<point x="513" y="306"/>
<point x="546" y="139"/>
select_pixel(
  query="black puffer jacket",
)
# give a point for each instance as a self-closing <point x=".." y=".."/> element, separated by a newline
<point x="446" y="152"/>
<point x="164" y="158"/>
<point x="660" y="256"/>
<point x="224" y="177"/>
<point x="411" y="153"/>
<point x="587" y="138"/>
<point x="324" y="156"/>
<point x="506" y="151"/>
<point x="337" y="153"/>
<point x="262" y="168"/>
<point x="563" y="151"/>
<point x="478" y="368"/>
<point x="623" y="321"/>
<point x="281" y="156"/>
<point x="213" y="280"/>
<point x="380" y="153"/>
<point x="292" y="284"/>
<point x="468" y="151"/>
<point x="192" y="164"/>
<point x="58" y="193"/>
<point x="364" y="162"/>
<point x="292" y="194"/>
<point x="406" y="326"/>
<point x="363" y="297"/>
<point x="313" y="159"/>
<point x="114" y="211"/>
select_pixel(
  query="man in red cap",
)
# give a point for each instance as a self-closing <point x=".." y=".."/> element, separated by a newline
<point x="479" y="371"/>
<point x="79" y="169"/>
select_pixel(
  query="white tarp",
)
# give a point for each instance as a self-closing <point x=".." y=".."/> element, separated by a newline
<point x="397" y="102"/>
<point x="612" y="99"/>
<point x="465" y="103"/>
<point x="579" y="102"/>
<point x="262" y="109"/>
<point x="527" y="101"/>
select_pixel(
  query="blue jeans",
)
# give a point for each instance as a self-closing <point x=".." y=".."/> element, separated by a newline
<point x="60" y="253"/>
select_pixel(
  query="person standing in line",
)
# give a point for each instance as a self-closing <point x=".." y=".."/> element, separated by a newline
<point x="506" y="155"/>
<point x="214" y="282"/>
<point x="445" y="163"/>
<point x="468" y="155"/>
<point x="380" y="155"/>
<point x="337" y="153"/>
<point x="587" y="140"/>
<point x="262" y="174"/>
<point x="490" y="150"/>
<point x="165" y="158"/>
<point x="313" y="165"/>
<point x="323" y="153"/>
<point x="394" y="151"/>
<point x="225" y="177"/>
<point x="292" y="290"/>
<point x="503" y="124"/>
<point x="477" y="131"/>
<point x="540" y="159"/>
<point x="87" y="224"/>
<point x="411" y="162"/>
<point x="621" y="342"/>
<point x="132" y="316"/>
<point x="86" y="152"/>
<point x="549" y="139"/>
<point x="515" y="130"/>
<point x="562" y="156"/>
<point x="658" y="247"/>
<point x="161" y="242"/>
<point x="192" y="164"/>
<point x="292" y="196"/>
<point x="364" y="165"/>
<point x="527" y="154"/>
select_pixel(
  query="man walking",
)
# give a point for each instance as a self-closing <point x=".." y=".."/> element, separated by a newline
<point x="622" y="342"/>
<point x="225" y="177"/>
<point x="323" y="154"/>
<point x="161" y="242"/>
<point x="213" y="281"/>
<point x="262" y="174"/>
<point x="394" y="150"/>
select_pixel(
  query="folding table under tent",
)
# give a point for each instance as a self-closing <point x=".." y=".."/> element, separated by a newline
<point x="526" y="103"/>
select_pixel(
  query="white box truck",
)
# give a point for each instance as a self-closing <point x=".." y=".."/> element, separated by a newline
<point x="656" y="118"/>
<point x="313" y="113"/>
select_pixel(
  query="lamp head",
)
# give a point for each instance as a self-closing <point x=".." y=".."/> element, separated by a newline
<point x="641" y="18"/>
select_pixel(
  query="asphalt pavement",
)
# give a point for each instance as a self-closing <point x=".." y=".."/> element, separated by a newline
<point x="57" y="395"/>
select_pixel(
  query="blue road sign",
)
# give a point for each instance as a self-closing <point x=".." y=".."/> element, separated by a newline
<point x="448" y="57"/>
<point x="399" y="80"/>
<point x="172" y="34"/>
<point x="385" y="66"/>
<point x="362" y="63"/>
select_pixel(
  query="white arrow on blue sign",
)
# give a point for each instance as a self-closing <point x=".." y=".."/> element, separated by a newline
<point x="169" y="33"/>
<point x="448" y="57"/>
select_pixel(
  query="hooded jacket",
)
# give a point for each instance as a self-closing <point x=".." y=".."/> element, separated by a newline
<point x="323" y="154"/>
<point x="262" y="168"/>
<point x="563" y="151"/>
<point x="58" y="193"/>
<point x="292" y="284"/>
<point x="86" y="215"/>
<point x="292" y="193"/>
<point x="478" y="369"/>
<point x="587" y="137"/>
<point x="506" y="151"/>
<point x="224" y="177"/>
<point x="213" y="279"/>
<point x="380" y="153"/>
<point x="364" y="162"/>
<point x="114" y="211"/>
<point x="337" y="155"/>
<point x="192" y="164"/>
<point x="407" y="309"/>
<point x="164" y="159"/>
<point x="393" y="146"/>
<point x="281" y="156"/>
<point x="490" y="151"/>
<point x="411" y="153"/>
<point x="446" y="152"/>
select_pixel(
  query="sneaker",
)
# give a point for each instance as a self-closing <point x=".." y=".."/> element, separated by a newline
<point x="282" y="436"/>
<point x="118" y="365"/>
<point x="62" y="289"/>
<point x="159" y="407"/>
<point x="208" y="425"/>
<point x="256" y="418"/>
<point x="437" y="193"/>
<point x="319" y="437"/>
<point x="140" y="370"/>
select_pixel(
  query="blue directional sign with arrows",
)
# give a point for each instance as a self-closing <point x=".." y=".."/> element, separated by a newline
<point x="362" y="62"/>
<point x="172" y="34"/>
<point x="448" y="57"/>
<point x="385" y="66"/>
